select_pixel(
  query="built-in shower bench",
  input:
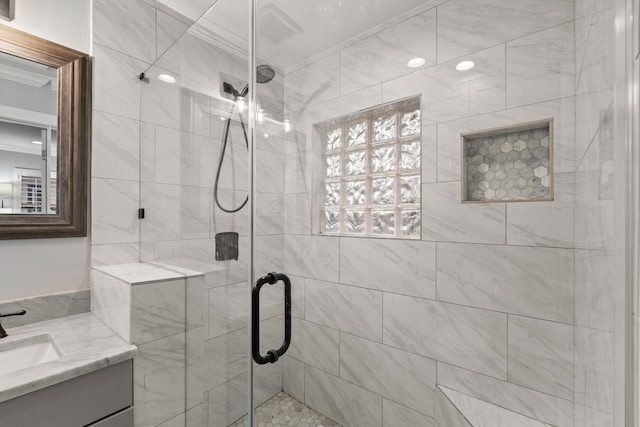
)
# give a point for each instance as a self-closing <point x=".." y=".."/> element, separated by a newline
<point x="455" y="409"/>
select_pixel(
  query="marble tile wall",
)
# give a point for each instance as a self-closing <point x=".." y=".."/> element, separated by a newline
<point x="157" y="146"/>
<point x="487" y="296"/>
<point x="147" y="306"/>
<point x="594" y="215"/>
<point x="470" y="300"/>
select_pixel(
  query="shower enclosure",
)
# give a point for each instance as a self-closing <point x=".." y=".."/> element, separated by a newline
<point x="411" y="302"/>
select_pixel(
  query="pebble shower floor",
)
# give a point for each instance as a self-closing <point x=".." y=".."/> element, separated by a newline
<point x="284" y="410"/>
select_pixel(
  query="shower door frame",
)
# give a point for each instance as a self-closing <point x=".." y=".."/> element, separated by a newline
<point x="252" y="205"/>
<point x="627" y="294"/>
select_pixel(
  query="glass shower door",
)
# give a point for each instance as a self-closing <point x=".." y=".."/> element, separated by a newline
<point x="421" y="285"/>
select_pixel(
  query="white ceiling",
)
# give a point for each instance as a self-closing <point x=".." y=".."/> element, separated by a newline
<point x="293" y="31"/>
<point x="24" y="74"/>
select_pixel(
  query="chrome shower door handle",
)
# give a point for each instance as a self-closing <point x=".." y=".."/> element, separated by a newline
<point x="272" y="355"/>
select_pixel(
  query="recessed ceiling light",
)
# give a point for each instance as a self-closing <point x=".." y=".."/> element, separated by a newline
<point x="37" y="142"/>
<point x="266" y="135"/>
<point x="223" y="118"/>
<point x="465" y="65"/>
<point x="416" y="62"/>
<point x="167" y="78"/>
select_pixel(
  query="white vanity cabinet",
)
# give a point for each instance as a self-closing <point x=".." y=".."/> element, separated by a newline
<point x="101" y="398"/>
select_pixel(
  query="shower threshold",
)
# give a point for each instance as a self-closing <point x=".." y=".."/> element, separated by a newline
<point x="283" y="410"/>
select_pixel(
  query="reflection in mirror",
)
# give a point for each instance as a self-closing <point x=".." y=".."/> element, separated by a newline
<point x="28" y="136"/>
<point x="45" y="125"/>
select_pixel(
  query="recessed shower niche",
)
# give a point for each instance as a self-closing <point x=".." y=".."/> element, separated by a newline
<point x="508" y="164"/>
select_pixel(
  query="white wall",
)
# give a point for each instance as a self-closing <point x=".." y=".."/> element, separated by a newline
<point x="44" y="266"/>
<point x="66" y="22"/>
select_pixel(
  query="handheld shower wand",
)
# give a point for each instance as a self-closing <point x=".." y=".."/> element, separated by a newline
<point x="265" y="73"/>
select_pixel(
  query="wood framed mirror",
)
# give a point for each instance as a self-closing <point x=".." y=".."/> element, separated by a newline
<point x="57" y="205"/>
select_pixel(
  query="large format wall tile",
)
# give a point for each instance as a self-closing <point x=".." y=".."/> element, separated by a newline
<point x="399" y="266"/>
<point x="464" y="336"/>
<point x="594" y="216"/>
<point x="541" y="66"/>
<point x="115" y="147"/>
<point x="157" y="310"/>
<point x="119" y="253"/>
<point x="449" y="96"/>
<point x="595" y="289"/>
<point x="111" y="303"/>
<point x="341" y="401"/>
<point x="589" y="417"/>
<point x="447" y="414"/>
<point x="528" y="281"/>
<point x="315" y="257"/>
<point x="194" y="377"/>
<point x="159" y="380"/>
<point x="541" y="355"/>
<point x="270" y="176"/>
<point x="313" y="83"/>
<point x="168" y="30"/>
<point x="537" y="405"/>
<point x="184" y="158"/>
<point x="269" y="219"/>
<point x="597" y="57"/>
<point x="185" y="105"/>
<point x="116" y="84"/>
<point x="226" y="357"/>
<point x="237" y="222"/>
<point x="297" y="177"/>
<point x="297" y="214"/>
<point x="594" y="365"/>
<point x="563" y="112"/>
<point x="429" y="149"/>
<point x="227" y="403"/>
<point x="228" y="309"/>
<point x="395" y="415"/>
<point x="445" y="218"/>
<point x="544" y="223"/>
<point x="336" y="107"/>
<point x="174" y="212"/>
<point x="331" y="305"/>
<point x="384" y="55"/>
<point x="406" y="378"/>
<point x="591" y="109"/>
<point x="293" y="378"/>
<point x="114" y="206"/>
<point x="316" y="345"/>
<point x="466" y="26"/>
<point x="128" y="27"/>
<point x="269" y="252"/>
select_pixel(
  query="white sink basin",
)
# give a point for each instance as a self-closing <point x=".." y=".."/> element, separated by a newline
<point x="26" y="352"/>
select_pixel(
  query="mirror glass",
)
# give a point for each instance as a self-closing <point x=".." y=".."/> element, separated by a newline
<point x="28" y="136"/>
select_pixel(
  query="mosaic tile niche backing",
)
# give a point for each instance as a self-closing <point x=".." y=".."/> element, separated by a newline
<point x="508" y="164"/>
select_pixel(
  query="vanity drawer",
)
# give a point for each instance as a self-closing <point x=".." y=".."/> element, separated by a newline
<point x="121" y="419"/>
<point x="77" y="402"/>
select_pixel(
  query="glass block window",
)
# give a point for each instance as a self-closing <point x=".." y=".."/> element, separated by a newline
<point x="371" y="178"/>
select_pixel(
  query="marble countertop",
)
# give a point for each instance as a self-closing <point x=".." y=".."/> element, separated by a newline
<point x="85" y="343"/>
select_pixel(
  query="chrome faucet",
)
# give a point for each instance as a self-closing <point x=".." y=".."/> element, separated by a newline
<point x="3" y="333"/>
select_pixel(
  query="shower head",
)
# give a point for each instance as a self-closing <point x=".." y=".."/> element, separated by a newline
<point x="264" y="73"/>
